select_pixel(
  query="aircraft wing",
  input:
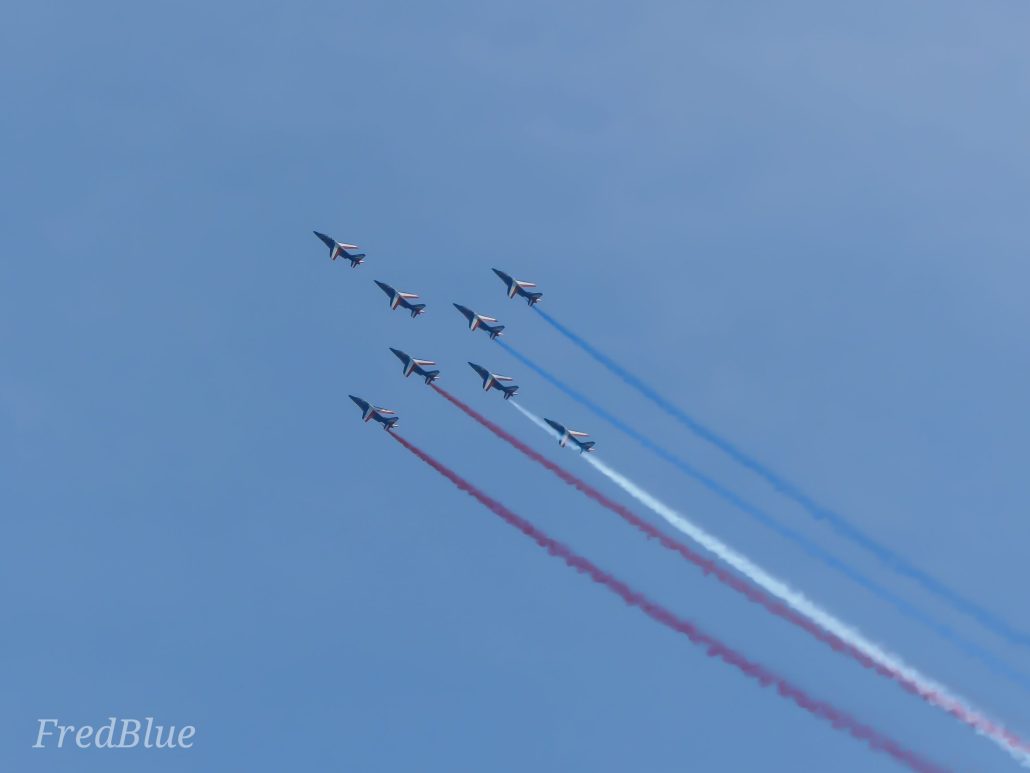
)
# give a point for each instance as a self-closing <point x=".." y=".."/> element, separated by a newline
<point x="502" y="378"/>
<point x="578" y="434"/>
<point x="424" y="362"/>
<point x="364" y="406"/>
<point x="384" y="411"/>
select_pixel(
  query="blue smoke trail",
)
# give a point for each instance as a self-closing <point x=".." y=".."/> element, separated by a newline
<point x="941" y="629"/>
<point x="838" y="522"/>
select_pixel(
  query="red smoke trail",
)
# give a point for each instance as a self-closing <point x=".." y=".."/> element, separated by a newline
<point x="714" y="648"/>
<point x="745" y="588"/>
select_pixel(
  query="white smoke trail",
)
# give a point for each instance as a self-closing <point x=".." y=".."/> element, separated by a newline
<point x="536" y="420"/>
<point x="932" y="691"/>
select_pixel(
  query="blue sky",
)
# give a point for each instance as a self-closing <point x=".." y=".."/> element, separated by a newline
<point x="806" y="221"/>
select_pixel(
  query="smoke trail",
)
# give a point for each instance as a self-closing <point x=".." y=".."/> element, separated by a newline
<point x="970" y="648"/>
<point x="820" y="512"/>
<point x="796" y="609"/>
<point x="713" y="647"/>
<point x="802" y="612"/>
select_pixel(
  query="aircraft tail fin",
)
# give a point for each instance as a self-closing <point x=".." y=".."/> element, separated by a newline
<point x="416" y="309"/>
<point x="391" y="423"/>
<point x="432" y="376"/>
<point x="495" y="330"/>
<point x="533" y="298"/>
<point x="509" y="391"/>
<point x="356" y="259"/>
<point x="587" y="445"/>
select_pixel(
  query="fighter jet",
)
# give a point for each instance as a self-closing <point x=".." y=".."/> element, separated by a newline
<point x="517" y="287"/>
<point x="479" y="320"/>
<point x="411" y="365"/>
<point x="565" y="436"/>
<point x="370" y="412"/>
<point x="493" y="381"/>
<point x="401" y="299"/>
<point x="339" y="249"/>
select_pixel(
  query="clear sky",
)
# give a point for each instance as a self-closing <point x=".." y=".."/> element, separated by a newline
<point x="808" y="223"/>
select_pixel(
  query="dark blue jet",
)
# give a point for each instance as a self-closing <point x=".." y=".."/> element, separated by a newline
<point x="492" y="381"/>
<point x="411" y="365"/>
<point x="480" y="320"/>
<point x="339" y="249"/>
<point x="566" y="436"/>
<point x="517" y="287"/>
<point x="401" y="299"/>
<point x="369" y="413"/>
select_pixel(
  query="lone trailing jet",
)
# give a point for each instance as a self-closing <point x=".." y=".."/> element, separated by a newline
<point x="493" y="381"/>
<point x="370" y="412"/>
<point x="565" y="436"/>
<point x="339" y="249"/>
<point x="479" y="320"/>
<point x="517" y="287"/>
<point x="401" y="299"/>
<point x="411" y="365"/>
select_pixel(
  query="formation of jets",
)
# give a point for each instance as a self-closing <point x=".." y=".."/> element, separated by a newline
<point x="480" y="321"/>
<point x="398" y="299"/>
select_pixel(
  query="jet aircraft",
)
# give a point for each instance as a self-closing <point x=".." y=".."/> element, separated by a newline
<point x="339" y="249"/>
<point x="369" y="412"/>
<point x="518" y="287"/>
<point x="493" y="381"/>
<point x="480" y="320"/>
<point x="565" y="436"/>
<point x="411" y="365"/>
<point x="401" y="299"/>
